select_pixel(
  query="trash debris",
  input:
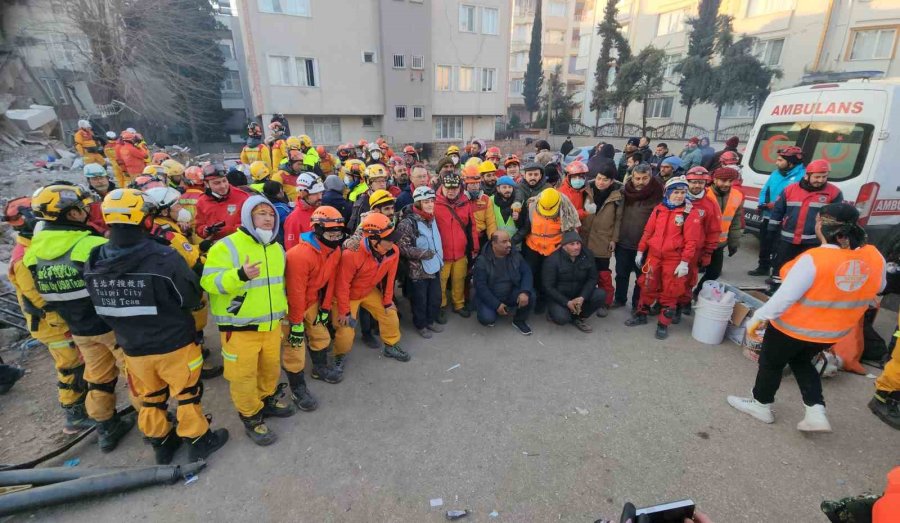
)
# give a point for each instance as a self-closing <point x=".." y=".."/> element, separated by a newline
<point x="72" y="462"/>
<point x="494" y="514"/>
<point x="458" y="365"/>
<point x="453" y="515"/>
<point x="437" y="502"/>
<point x="526" y="453"/>
<point x="583" y="412"/>
<point x="190" y="478"/>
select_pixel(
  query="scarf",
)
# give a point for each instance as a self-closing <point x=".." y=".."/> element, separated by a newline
<point x="426" y="216"/>
<point x="600" y="196"/>
<point x="504" y="204"/>
<point x="653" y="190"/>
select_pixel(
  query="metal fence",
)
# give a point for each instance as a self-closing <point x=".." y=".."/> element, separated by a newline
<point x="671" y="131"/>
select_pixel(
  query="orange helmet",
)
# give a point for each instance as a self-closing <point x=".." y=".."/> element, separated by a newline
<point x="127" y="135"/>
<point x="511" y="160"/>
<point x="194" y="175"/>
<point x="159" y="157"/>
<point x="321" y="150"/>
<point x="471" y="174"/>
<point x="409" y="149"/>
<point x="362" y="143"/>
<point x="378" y="226"/>
<point x="328" y="217"/>
<point x="16" y="210"/>
<point x="147" y="181"/>
<point x="576" y="168"/>
<point x="493" y="152"/>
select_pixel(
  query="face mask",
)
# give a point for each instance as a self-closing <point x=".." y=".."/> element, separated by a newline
<point x="577" y="183"/>
<point x="264" y="235"/>
<point x="454" y="159"/>
<point x="474" y="195"/>
<point x="184" y="216"/>
<point x="332" y="244"/>
<point x="376" y="155"/>
<point x="217" y="195"/>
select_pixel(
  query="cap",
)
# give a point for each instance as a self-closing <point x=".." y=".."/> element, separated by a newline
<point x="633" y="141"/>
<point x="532" y="166"/>
<point x="506" y="180"/>
<point x="732" y="142"/>
<point x="840" y="212"/>
<point x="725" y="173"/>
<point x="570" y="236"/>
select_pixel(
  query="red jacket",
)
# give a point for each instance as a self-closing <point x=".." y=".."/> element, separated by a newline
<point x="672" y="234"/>
<point x="310" y="272"/>
<point x="211" y="211"/>
<point x="710" y="217"/>
<point x="453" y="235"/>
<point x="131" y="158"/>
<point x="297" y="223"/>
<point x="576" y="196"/>
<point x="95" y="218"/>
<point x="359" y="272"/>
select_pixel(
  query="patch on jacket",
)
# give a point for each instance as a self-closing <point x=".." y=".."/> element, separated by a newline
<point x="231" y="209"/>
<point x="679" y="220"/>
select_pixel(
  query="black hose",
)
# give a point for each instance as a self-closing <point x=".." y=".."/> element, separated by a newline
<point x="102" y="484"/>
<point x="49" y="475"/>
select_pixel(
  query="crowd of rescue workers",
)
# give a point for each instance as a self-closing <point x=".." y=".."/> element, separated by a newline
<point x="294" y="249"/>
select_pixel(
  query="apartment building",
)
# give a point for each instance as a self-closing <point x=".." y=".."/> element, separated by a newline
<point x="563" y="24"/>
<point x="796" y="36"/>
<point x="408" y="70"/>
<point x="235" y="89"/>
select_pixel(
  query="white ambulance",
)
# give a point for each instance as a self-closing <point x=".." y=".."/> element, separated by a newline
<point x="855" y="125"/>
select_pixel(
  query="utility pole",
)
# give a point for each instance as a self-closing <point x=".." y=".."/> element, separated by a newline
<point x="549" y="109"/>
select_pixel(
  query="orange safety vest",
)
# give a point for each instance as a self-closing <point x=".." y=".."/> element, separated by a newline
<point x="846" y="283"/>
<point x="733" y="205"/>
<point x="545" y="235"/>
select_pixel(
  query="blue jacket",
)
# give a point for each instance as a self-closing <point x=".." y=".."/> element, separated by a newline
<point x="336" y="199"/>
<point x="405" y="198"/>
<point x="776" y="185"/>
<point x="283" y="211"/>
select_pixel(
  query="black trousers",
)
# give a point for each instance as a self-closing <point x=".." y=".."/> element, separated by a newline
<point x="714" y="270"/>
<point x="486" y="315"/>
<point x="535" y="262"/>
<point x="778" y="350"/>
<point x="625" y="267"/>
<point x="787" y="251"/>
<point x="768" y="241"/>
<point x="425" y="300"/>
<point x="561" y="315"/>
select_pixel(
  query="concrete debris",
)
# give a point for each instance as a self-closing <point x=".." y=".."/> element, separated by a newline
<point x="33" y="118"/>
<point x="436" y="502"/>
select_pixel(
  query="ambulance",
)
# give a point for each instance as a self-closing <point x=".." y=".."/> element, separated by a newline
<point x="855" y="125"/>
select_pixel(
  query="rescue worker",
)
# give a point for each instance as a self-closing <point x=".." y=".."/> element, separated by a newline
<point x="159" y="157"/>
<point x="824" y="294"/>
<point x="311" y="158"/>
<point x="789" y="170"/>
<point x="100" y="184"/>
<point x="56" y="260"/>
<point x="374" y="155"/>
<point x="346" y="152"/>
<point x="482" y="209"/>
<point x="570" y="283"/>
<point x="219" y="209"/>
<point x="376" y="179"/>
<point x="288" y="173"/>
<point x="512" y="166"/>
<point x="573" y="186"/>
<point x="399" y="179"/>
<point x="492" y="155"/>
<point x="334" y="195"/>
<point x="310" y="269"/>
<point x="109" y="150"/>
<point x="886" y="402"/>
<point x="277" y="145"/>
<point x="365" y="278"/>
<point x="353" y="172"/>
<point x="146" y="293"/>
<point x="193" y="190"/>
<point x="174" y="172"/>
<point x="46" y="326"/>
<point x="730" y="202"/>
<point x="670" y="242"/>
<point x="505" y="207"/>
<point x="361" y="150"/>
<point x="532" y="184"/>
<point x="309" y="197"/>
<point x="795" y="212"/>
<point x="600" y="229"/>
<point x="132" y="159"/>
<point x="543" y="224"/>
<point x="254" y="149"/>
<point x="90" y="150"/>
<point x="421" y="247"/>
<point x="327" y="162"/>
<point x="410" y="156"/>
<point x="488" y="171"/>
<point x="260" y="174"/>
<point x="710" y="215"/>
<point x="459" y="239"/>
<point x="273" y="191"/>
<point x="244" y="276"/>
<point x="453" y="154"/>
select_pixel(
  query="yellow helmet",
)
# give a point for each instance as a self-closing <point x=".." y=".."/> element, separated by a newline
<point x="126" y="206"/>
<point x="155" y="170"/>
<point x="259" y="171"/>
<point x="173" y="167"/>
<point x="305" y="140"/>
<point x="51" y="203"/>
<point x="379" y="198"/>
<point x="292" y="142"/>
<point x="375" y="171"/>
<point x="476" y="161"/>
<point x="353" y="168"/>
<point x="452" y="150"/>
<point x="548" y="202"/>
<point x="486" y="167"/>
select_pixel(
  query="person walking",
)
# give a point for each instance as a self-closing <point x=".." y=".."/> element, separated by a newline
<point x="421" y="248"/>
<point x="570" y="284"/>
<point x="503" y="284"/>
<point x="641" y="194"/>
<point x="566" y="147"/>
<point x="600" y="230"/>
<point x="789" y="170"/>
<point x="824" y="293"/>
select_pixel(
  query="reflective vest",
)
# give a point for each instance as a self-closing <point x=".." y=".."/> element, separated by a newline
<point x="258" y="304"/>
<point x="846" y="282"/>
<point x="545" y="235"/>
<point x="59" y="278"/>
<point x="258" y="153"/>
<point x="361" y="188"/>
<point x="509" y="225"/>
<point x="733" y="205"/>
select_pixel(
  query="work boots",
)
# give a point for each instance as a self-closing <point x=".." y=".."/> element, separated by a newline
<point x="206" y="444"/>
<point x="209" y="371"/>
<point x="339" y="361"/>
<point x="300" y="395"/>
<point x="761" y="270"/>
<point x="274" y="407"/>
<point x="76" y="418"/>
<point x="662" y="331"/>
<point x="676" y="316"/>
<point x="638" y="318"/>
<point x="113" y="430"/>
<point x="321" y="370"/>
<point x="164" y="448"/>
<point x="257" y="430"/>
<point x="394" y="351"/>
<point x="886" y="405"/>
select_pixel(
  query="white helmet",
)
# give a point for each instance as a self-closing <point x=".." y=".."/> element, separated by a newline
<point x="93" y="170"/>
<point x="164" y="197"/>
<point x="317" y="188"/>
<point x="111" y="135"/>
<point x="306" y="180"/>
<point x="84" y="124"/>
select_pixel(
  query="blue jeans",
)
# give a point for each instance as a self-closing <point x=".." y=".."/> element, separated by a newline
<point x="425" y="299"/>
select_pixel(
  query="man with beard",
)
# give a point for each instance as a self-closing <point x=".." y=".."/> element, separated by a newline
<point x="532" y="183"/>
<point x="796" y="211"/>
<point x="631" y="147"/>
<point x="730" y="202"/>
<point x="642" y="193"/>
<point x="479" y="201"/>
<point x="488" y="171"/>
<point x="505" y="208"/>
<point x="789" y="170"/>
<point x="669" y="168"/>
<point x="219" y="209"/>
<point x="660" y="154"/>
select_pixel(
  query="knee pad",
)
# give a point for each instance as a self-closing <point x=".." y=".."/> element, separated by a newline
<point x="668" y="312"/>
<point x="78" y="384"/>
<point x="163" y="403"/>
<point x="108" y="387"/>
<point x="196" y="392"/>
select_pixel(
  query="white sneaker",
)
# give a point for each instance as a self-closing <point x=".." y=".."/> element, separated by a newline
<point x="814" y="420"/>
<point x="760" y="411"/>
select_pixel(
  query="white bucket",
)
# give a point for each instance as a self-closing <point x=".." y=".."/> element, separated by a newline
<point x="710" y="320"/>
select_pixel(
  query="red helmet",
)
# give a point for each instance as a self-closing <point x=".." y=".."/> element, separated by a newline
<point x="362" y="143"/>
<point x="16" y="210"/>
<point x="791" y="151"/>
<point x="493" y="152"/>
<point x="510" y="160"/>
<point x="728" y="158"/>
<point x="697" y="173"/>
<point x="395" y="161"/>
<point x="159" y="157"/>
<point x="576" y="168"/>
<point x="194" y="175"/>
<point x="409" y="149"/>
<point x="818" y="167"/>
<point x="147" y="181"/>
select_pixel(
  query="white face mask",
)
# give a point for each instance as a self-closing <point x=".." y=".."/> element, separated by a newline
<point x="184" y="216"/>
<point x="376" y="155"/>
<point x="217" y="195"/>
<point x="348" y="180"/>
<point x="264" y="235"/>
<point x="454" y="159"/>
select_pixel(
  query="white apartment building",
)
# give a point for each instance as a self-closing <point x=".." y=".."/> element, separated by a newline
<point x="796" y="36"/>
<point x="408" y="70"/>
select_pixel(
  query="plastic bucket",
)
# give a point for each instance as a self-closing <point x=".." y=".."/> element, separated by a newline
<point x="710" y="320"/>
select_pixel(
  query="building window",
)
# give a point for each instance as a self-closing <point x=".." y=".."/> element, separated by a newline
<point x="516" y="86"/>
<point x="400" y="112"/>
<point x="488" y="80"/>
<point x="324" y="130"/>
<point x="669" y="63"/>
<point x="399" y="61"/>
<point x="231" y="83"/>
<point x="556" y="8"/>
<point x="660" y="107"/>
<point x="768" y="51"/>
<point x="737" y="111"/>
<point x="519" y="61"/>
<point x="873" y="45"/>
<point x="227" y="49"/>
<point x="368" y="57"/>
<point x="285" y="7"/>
<point x="443" y="76"/>
<point x="55" y="89"/>
<point x="466" y="79"/>
<point x="670" y="23"/>
<point x="555" y="37"/>
<point x="304" y="72"/>
<point x="551" y="63"/>
<point x="467" y="18"/>
<point x="418" y="112"/>
<point x="448" y="127"/>
<point x="280" y="70"/>
<point x="521" y="32"/>
<point x="368" y="121"/>
<point x="764" y="7"/>
<point x="307" y="72"/>
<point x="489" y="21"/>
<point x="418" y="62"/>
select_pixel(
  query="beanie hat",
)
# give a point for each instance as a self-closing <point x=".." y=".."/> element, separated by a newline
<point x="333" y="182"/>
<point x="725" y="173"/>
<point x="633" y="141"/>
<point x="506" y="180"/>
<point x="674" y="161"/>
<point x="694" y="140"/>
<point x="570" y="236"/>
<point x="732" y="142"/>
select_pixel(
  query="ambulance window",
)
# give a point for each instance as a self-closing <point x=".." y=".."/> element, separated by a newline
<point x="844" y="144"/>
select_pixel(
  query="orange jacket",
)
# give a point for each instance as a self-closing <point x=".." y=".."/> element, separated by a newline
<point x="545" y="235"/>
<point x="887" y="508"/>
<point x="310" y="272"/>
<point x="133" y="159"/>
<point x="576" y="196"/>
<point x="360" y="272"/>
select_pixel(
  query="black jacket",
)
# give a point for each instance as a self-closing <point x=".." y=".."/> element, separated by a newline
<point x="146" y="293"/>
<point x="501" y="280"/>
<point x="603" y="162"/>
<point x="565" y="279"/>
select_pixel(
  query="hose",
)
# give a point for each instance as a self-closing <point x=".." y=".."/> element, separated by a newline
<point x="48" y="475"/>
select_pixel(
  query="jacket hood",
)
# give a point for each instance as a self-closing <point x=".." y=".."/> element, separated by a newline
<point x="607" y="151"/>
<point x="54" y="242"/>
<point x="113" y="260"/>
<point x="247" y="220"/>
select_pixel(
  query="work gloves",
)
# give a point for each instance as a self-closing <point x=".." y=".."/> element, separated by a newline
<point x="297" y="335"/>
<point x="639" y="258"/>
<point x="682" y="270"/>
<point x="322" y="317"/>
<point x="590" y="207"/>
